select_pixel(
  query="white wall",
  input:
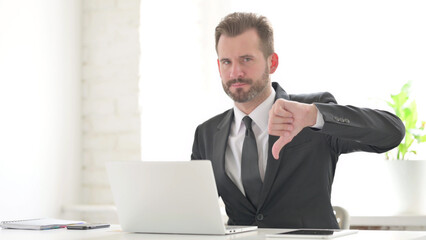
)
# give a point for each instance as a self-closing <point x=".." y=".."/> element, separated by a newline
<point x="40" y="107"/>
<point x="110" y="78"/>
<point x="180" y="84"/>
<point x="69" y="74"/>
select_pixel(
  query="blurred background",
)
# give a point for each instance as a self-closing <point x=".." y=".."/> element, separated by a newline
<point x="85" y="82"/>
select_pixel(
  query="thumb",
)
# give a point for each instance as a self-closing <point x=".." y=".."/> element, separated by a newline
<point x="278" y="145"/>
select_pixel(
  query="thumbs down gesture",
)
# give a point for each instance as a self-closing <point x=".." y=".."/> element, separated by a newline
<point x="287" y="119"/>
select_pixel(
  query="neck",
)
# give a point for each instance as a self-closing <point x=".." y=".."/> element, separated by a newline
<point x="248" y="107"/>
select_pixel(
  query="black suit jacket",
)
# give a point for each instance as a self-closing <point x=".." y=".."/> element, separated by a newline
<point x="297" y="187"/>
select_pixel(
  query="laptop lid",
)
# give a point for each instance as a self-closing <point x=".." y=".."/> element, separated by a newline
<point x="166" y="197"/>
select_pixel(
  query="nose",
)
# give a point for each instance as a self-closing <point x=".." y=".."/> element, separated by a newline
<point x="236" y="71"/>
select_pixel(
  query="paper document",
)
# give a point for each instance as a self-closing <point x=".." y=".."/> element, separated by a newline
<point x="38" y="224"/>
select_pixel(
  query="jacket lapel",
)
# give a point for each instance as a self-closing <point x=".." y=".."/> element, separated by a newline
<point x="273" y="164"/>
<point x="221" y="140"/>
<point x="223" y="181"/>
<point x="271" y="171"/>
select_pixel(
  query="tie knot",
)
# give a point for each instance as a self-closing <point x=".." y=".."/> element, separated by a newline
<point x="247" y="121"/>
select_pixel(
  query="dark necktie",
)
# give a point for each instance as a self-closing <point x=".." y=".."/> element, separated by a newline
<point x="250" y="174"/>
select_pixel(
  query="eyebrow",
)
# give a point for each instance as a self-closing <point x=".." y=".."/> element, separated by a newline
<point x="243" y="56"/>
<point x="247" y="55"/>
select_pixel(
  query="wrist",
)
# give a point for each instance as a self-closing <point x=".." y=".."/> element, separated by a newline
<point x="313" y="113"/>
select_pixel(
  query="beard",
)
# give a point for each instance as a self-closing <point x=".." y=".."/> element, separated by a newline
<point x="256" y="88"/>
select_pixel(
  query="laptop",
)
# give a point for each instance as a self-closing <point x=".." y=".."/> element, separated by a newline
<point x="168" y="197"/>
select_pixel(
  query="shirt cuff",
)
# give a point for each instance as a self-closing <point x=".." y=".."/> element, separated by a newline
<point x="320" y="121"/>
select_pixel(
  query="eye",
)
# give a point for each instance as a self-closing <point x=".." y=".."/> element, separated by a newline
<point x="226" y="62"/>
<point x="247" y="59"/>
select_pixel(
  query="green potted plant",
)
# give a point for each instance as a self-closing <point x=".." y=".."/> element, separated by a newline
<point x="408" y="177"/>
<point x="406" y="109"/>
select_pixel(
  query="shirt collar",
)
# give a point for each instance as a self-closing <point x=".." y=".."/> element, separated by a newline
<point x="260" y="115"/>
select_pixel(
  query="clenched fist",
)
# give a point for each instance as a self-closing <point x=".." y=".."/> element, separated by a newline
<point x="287" y="119"/>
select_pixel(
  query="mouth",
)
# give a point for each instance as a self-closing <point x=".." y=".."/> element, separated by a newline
<point x="239" y="83"/>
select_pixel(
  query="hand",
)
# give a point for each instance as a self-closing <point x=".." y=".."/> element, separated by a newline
<point x="287" y="119"/>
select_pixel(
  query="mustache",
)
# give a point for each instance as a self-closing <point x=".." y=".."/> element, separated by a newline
<point x="239" y="80"/>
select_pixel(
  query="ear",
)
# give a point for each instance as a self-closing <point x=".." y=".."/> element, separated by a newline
<point x="218" y="65"/>
<point x="274" y="63"/>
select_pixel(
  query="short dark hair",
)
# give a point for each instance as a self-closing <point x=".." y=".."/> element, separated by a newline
<point x="237" y="23"/>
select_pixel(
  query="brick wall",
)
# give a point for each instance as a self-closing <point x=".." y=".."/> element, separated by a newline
<point x="111" y="118"/>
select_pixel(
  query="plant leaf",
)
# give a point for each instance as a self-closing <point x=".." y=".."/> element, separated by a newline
<point x="407" y="111"/>
<point x="421" y="139"/>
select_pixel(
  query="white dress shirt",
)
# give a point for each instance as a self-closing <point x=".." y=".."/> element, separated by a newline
<point x="260" y="117"/>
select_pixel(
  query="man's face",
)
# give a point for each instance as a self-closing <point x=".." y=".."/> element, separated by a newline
<point x="243" y="68"/>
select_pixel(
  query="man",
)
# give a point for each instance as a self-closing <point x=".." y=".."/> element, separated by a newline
<point x="274" y="154"/>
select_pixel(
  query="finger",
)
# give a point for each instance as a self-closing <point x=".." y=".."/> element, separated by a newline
<point x="282" y="133"/>
<point x="278" y="145"/>
<point x="279" y="110"/>
<point x="280" y="120"/>
<point x="280" y="128"/>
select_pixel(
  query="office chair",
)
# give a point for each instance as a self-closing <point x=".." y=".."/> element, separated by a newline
<point x="342" y="217"/>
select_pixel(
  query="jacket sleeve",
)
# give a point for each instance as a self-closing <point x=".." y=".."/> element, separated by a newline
<point x="360" y="129"/>
<point x="195" y="147"/>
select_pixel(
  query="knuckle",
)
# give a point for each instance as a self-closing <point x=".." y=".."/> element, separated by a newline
<point x="276" y="111"/>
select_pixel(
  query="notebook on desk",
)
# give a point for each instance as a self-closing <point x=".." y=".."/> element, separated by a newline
<point x="168" y="197"/>
<point x="38" y="224"/>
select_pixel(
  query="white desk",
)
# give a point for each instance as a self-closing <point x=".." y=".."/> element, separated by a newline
<point x="409" y="222"/>
<point x="114" y="233"/>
